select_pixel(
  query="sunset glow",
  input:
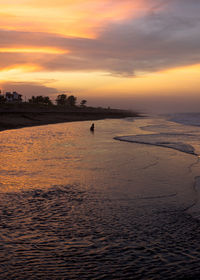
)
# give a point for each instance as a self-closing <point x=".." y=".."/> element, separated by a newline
<point x="101" y="49"/>
<point x="32" y="50"/>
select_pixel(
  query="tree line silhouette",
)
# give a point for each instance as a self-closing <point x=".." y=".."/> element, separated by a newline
<point x="61" y="100"/>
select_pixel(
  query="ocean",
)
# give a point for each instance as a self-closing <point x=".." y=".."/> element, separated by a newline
<point x="120" y="203"/>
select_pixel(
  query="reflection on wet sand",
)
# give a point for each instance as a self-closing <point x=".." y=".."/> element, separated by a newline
<point x="80" y="205"/>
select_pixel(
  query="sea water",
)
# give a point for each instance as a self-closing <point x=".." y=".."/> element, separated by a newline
<point x="76" y="204"/>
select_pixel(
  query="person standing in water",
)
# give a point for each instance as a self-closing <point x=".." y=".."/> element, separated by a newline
<point x="92" y="127"/>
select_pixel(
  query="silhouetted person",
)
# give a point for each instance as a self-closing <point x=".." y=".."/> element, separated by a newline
<point x="92" y="127"/>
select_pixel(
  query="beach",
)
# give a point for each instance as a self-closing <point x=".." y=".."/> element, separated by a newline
<point x="24" y="116"/>
<point x="76" y="204"/>
<point x="100" y="140"/>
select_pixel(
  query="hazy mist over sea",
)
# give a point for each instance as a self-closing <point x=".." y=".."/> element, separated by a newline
<point x="151" y="103"/>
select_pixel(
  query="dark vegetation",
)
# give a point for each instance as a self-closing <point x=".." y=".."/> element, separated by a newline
<point x="39" y="110"/>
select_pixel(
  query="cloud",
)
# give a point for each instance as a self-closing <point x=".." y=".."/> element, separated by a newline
<point x="164" y="37"/>
<point x="28" y="89"/>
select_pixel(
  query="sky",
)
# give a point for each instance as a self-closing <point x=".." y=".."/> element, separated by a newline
<point x="133" y="54"/>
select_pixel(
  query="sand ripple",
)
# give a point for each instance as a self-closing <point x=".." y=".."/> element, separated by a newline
<point x="65" y="233"/>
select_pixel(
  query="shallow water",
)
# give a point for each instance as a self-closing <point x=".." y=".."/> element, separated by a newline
<point x="79" y="205"/>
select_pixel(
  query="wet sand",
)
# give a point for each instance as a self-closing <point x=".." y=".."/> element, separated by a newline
<point x="17" y="119"/>
<point x="81" y="205"/>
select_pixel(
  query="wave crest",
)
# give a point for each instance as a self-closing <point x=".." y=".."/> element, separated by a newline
<point x="163" y="140"/>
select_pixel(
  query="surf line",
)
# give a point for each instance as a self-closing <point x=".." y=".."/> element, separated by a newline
<point x="155" y="141"/>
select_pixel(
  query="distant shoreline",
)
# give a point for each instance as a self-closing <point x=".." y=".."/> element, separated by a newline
<point x="13" y="119"/>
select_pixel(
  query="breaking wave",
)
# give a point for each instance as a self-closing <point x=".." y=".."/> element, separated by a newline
<point x="164" y="140"/>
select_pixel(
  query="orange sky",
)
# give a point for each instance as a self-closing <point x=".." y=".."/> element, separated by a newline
<point x="101" y="50"/>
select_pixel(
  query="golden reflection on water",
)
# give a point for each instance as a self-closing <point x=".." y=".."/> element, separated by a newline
<point x="64" y="230"/>
<point x="44" y="156"/>
<point x="62" y="154"/>
<point x="36" y="157"/>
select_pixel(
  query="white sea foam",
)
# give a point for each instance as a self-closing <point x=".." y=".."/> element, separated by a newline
<point x="167" y="132"/>
<point x="164" y="140"/>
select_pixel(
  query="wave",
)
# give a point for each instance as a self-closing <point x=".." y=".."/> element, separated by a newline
<point x="162" y="140"/>
<point x="186" y="118"/>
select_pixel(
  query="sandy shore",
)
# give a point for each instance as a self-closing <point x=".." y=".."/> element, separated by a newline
<point x="71" y="200"/>
<point x="18" y="118"/>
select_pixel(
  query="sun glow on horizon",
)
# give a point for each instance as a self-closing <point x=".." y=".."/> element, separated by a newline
<point x="92" y="47"/>
<point x="181" y="80"/>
